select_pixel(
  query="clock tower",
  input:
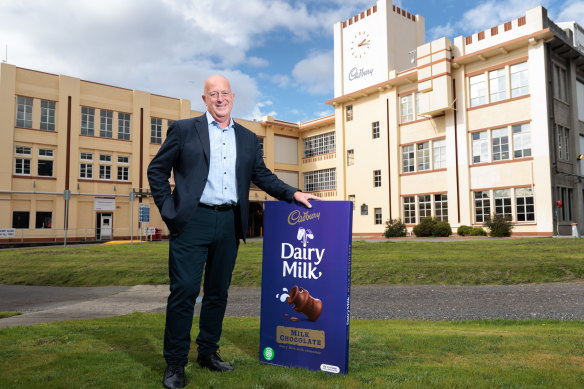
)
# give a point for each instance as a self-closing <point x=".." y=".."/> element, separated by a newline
<point x="371" y="44"/>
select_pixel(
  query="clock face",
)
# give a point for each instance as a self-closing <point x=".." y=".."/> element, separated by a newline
<point x="360" y="44"/>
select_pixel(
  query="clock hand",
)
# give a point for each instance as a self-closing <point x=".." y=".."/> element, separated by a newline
<point x="364" y="43"/>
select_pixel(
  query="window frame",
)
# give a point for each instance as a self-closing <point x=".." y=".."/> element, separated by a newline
<point x="377" y="178"/>
<point x="24" y="111"/>
<point x="375" y="132"/>
<point x="48" y="110"/>
<point x="124" y="125"/>
<point x="155" y="131"/>
<point x="106" y="123"/>
<point x="87" y="121"/>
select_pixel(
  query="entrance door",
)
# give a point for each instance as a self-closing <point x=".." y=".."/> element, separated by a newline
<point x="104" y="226"/>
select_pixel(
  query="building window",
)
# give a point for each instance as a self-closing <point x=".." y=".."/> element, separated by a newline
<point x="519" y="79"/>
<point x="350" y="157"/>
<point x="482" y="206"/>
<point x="124" y="126"/>
<point x="503" y="203"/>
<point x="44" y="220"/>
<point x="521" y="141"/>
<point x="352" y="199"/>
<point x="480" y="147"/>
<point x="22" y="165"/>
<point x="525" y="205"/>
<point x="261" y="140"/>
<point x="500" y="143"/>
<point x="423" y="156"/>
<point x="408" y="159"/>
<point x="47" y="115"/>
<point x="48" y="153"/>
<point x="86" y="157"/>
<point x="319" y="144"/>
<point x="86" y="170"/>
<point x="375" y="129"/>
<point x="563" y="142"/>
<point x="106" y="121"/>
<point x="565" y="195"/>
<point x="87" y="121"/>
<point x="560" y="79"/>
<point x="156" y="131"/>
<point x="478" y="90"/>
<point x="378" y="216"/>
<point x="123" y="159"/>
<point x="439" y="154"/>
<point x="441" y="206"/>
<point x="349" y="113"/>
<point x="24" y="112"/>
<point x="498" y="85"/>
<point x="409" y="210"/>
<point x="45" y="168"/>
<point x="105" y="172"/>
<point x="20" y="219"/>
<point x="407" y="108"/>
<point x="377" y="178"/>
<point x="425" y="206"/>
<point x="123" y="173"/>
<point x="320" y="180"/>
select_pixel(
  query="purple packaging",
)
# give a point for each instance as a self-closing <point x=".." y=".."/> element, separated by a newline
<point x="306" y="285"/>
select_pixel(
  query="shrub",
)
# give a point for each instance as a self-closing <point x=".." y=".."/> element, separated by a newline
<point x="442" y="228"/>
<point x="464" y="230"/>
<point x="477" y="231"/>
<point x="395" y="228"/>
<point x="499" y="226"/>
<point x="425" y="227"/>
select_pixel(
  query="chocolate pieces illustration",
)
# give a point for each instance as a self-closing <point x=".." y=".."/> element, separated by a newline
<point x="304" y="303"/>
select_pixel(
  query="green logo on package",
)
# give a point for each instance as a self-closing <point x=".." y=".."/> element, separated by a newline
<point x="268" y="353"/>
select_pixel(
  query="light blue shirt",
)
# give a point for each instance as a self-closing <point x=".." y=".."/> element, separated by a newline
<point x="221" y="187"/>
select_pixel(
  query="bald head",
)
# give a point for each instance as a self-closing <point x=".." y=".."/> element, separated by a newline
<point x="218" y="99"/>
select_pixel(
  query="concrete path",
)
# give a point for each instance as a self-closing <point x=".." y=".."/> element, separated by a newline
<point x="563" y="301"/>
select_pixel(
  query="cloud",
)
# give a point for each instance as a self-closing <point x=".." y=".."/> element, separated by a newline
<point x="315" y="73"/>
<point x="484" y="15"/>
<point x="257" y="62"/>
<point x="260" y="110"/>
<point x="571" y="11"/>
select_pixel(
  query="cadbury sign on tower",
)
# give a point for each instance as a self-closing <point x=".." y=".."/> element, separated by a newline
<point x="306" y="285"/>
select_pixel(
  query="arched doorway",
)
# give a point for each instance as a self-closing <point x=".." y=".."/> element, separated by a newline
<point x="255" y="227"/>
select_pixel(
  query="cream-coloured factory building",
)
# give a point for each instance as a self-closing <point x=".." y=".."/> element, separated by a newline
<point x="491" y="123"/>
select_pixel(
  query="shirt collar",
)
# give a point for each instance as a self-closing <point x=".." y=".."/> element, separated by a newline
<point x="211" y="120"/>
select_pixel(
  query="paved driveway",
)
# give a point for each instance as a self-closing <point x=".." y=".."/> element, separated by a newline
<point x="563" y="301"/>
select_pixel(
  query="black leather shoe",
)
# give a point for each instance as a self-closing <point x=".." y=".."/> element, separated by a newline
<point x="213" y="362"/>
<point x="174" y="377"/>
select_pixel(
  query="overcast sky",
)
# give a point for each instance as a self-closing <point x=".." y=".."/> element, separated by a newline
<point x="278" y="54"/>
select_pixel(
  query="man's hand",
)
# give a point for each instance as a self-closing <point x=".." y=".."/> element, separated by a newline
<point x="303" y="198"/>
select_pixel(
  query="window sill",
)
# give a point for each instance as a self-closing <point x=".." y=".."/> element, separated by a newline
<point x="423" y="172"/>
<point x="498" y="102"/>
<point x="502" y="162"/>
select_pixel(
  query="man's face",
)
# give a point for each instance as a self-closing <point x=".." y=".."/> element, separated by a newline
<point x="218" y="98"/>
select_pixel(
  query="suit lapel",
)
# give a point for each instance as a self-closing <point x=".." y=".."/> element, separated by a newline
<point x="202" y="129"/>
<point x="238" y="145"/>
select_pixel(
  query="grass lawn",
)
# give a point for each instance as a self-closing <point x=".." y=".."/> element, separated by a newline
<point x="125" y="352"/>
<point x="464" y="262"/>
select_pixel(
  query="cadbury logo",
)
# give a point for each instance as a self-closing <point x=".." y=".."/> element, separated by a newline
<point x="358" y="73"/>
<point x="296" y="217"/>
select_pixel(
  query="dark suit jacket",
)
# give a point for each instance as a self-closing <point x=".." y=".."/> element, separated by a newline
<point x="186" y="152"/>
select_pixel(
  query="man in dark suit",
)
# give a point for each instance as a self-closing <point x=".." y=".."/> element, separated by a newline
<point x="213" y="160"/>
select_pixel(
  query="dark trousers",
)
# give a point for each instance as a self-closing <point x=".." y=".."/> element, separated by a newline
<point x="207" y="243"/>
